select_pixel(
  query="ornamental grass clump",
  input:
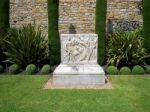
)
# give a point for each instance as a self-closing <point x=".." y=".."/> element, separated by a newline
<point x="14" y="69"/>
<point x="45" y="69"/>
<point x="138" y="70"/>
<point x="30" y="69"/>
<point x="25" y="45"/>
<point x="126" y="49"/>
<point x="125" y="71"/>
<point x="112" y="70"/>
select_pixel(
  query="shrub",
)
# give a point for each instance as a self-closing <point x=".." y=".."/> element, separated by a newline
<point x="147" y="69"/>
<point x="4" y="24"/>
<point x="53" y="35"/>
<point x="125" y="71"/>
<point x="126" y="48"/>
<point x="45" y="69"/>
<point x="26" y="45"/>
<point x="101" y="9"/>
<point x="138" y="70"/>
<point x="30" y="69"/>
<point x="14" y="69"/>
<point x="112" y="70"/>
<point x="1" y="68"/>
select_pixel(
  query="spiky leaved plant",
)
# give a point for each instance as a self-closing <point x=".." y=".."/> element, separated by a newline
<point x="26" y="45"/>
<point x="126" y="48"/>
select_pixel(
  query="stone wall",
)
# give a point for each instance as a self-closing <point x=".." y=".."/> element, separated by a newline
<point x="77" y="16"/>
<point x="29" y="11"/>
<point x="127" y="11"/>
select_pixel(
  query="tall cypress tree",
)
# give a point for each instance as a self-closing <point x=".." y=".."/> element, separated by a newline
<point x="101" y="7"/>
<point x="4" y="23"/>
<point x="54" y="41"/>
<point x="146" y="16"/>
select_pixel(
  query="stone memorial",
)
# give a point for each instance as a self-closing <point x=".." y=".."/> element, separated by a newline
<point x="79" y="45"/>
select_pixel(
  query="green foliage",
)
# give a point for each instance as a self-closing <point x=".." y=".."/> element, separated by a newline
<point x="2" y="36"/>
<point x="30" y="69"/>
<point x="54" y="41"/>
<point x="126" y="48"/>
<point x="4" y="24"/>
<point x="146" y="17"/>
<point x="101" y="7"/>
<point x="147" y="69"/>
<point x="1" y="68"/>
<point x="45" y="69"/>
<point x="138" y="70"/>
<point x="25" y="45"/>
<point x="125" y="71"/>
<point x="14" y="69"/>
<point x="112" y="70"/>
<point x="4" y="13"/>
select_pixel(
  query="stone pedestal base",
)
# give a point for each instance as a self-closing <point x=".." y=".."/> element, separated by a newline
<point x="85" y="74"/>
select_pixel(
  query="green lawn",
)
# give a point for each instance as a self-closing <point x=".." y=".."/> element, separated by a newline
<point x="25" y="94"/>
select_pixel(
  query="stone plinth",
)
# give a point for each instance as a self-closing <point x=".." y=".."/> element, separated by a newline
<point x="78" y="61"/>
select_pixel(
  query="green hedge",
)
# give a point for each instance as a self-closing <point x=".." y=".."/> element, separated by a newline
<point x="54" y="41"/>
<point x="100" y="29"/>
<point x="4" y="13"/>
<point x="146" y="15"/>
<point x="4" y="23"/>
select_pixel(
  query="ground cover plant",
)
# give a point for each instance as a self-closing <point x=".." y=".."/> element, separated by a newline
<point x="26" y="94"/>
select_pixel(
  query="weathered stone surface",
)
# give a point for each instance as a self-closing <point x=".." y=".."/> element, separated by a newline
<point x="123" y="25"/>
<point x="29" y="11"/>
<point x="127" y="10"/>
<point x="77" y="13"/>
<point x="79" y="48"/>
<point x="78" y="61"/>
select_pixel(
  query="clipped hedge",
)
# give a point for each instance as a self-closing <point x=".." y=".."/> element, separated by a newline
<point x="125" y="71"/>
<point x="4" y="24"/>
<point x="147" y="69"/>
<point x="45" y="69"/>
<point x="101" y="7"/>
<point x="30" y="69"/>
<point x="112" y="70"/>
<point x="53" y="35"/>
<point x="146" y="16"/>
<point x="4" y="13"/>
<point x="138" y="70"/>
<point x="14" y="69"/>
<point x="1" y="68"/>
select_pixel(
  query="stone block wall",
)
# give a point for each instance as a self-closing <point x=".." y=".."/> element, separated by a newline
<point x="77" y="16"/>
<point x="29" y="11"/>
<point x="126" y="11"/>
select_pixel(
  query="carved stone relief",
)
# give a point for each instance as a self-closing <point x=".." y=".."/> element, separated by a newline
<point x="122" y="25"/>
<point x="79" y="48"/>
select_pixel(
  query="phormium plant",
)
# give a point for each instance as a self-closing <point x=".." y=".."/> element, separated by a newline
<point x="126" y="48"/>
<point x="25" y="45"/>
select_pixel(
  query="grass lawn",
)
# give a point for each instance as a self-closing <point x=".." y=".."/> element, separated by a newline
<point x="25" y="94"/>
